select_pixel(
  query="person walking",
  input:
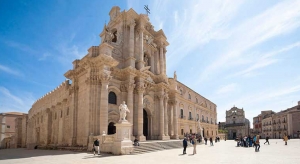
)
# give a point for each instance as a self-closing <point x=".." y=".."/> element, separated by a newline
<point x="257" y="145"/>
<point x="205" y="139"/>
<point x="194" y="143"/>
<point x="184" y="143"/>
<point x="285" y="139"/>
<point x="96" y="146"/>
<point x="267" y="140"/>
<point x="211" y="141"/>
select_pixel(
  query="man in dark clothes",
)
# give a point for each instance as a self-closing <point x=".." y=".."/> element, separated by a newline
<point x="184" y="145"/>
<point x="267" y="140"/>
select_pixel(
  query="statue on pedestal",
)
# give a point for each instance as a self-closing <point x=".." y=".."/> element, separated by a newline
<point x="123" y="109"/>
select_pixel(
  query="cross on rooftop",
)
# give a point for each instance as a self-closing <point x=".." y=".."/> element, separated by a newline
<point x="147" y="9"/>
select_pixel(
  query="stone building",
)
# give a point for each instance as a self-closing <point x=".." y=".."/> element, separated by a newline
<point x="258" y="124"/>
<point x="236" y="123"/>
<point x="275" y="125"/>
<point x="128" y="65"/>
<point x="9" y="129"/>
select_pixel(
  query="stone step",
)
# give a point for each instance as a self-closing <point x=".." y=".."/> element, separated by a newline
<point x="146" y="147"/>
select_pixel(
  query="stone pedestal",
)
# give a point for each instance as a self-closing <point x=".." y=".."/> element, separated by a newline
<point x="164" y="137"/>
<point x="122" y="142"/>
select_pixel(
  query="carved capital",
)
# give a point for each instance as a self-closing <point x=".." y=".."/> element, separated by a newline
<point x="132" y="23"/>
<point x="105" y="77"/>
<point x="140" y="88"/>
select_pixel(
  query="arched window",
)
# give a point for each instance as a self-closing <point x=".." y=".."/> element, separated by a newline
<point x="115" y="37"/>
<point x="181" y="91"/>
<point x="112" y="98"/>
<point x="202" y="118"/>
<point x="189" y="96"/>
<point x="181" y="113"/>
<point x="190" y="116"/>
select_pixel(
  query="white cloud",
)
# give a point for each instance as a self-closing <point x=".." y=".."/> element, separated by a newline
<point x="9" y="70"/>
<point x="280" y="19"/>
<point x="44" y="56"/>
<point x="18" y="103"/>
<point x="227" y="88"/>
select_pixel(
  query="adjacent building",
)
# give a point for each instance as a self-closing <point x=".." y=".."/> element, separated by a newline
<point x="236" y="123"/>
<point x="9" y="129"/>
<point x="276" y="125"/>
<point x="128" y="65"/>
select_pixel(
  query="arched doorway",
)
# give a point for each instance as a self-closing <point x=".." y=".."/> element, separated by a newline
<point x="145" y="124"/>
<point x="111" y="128"/>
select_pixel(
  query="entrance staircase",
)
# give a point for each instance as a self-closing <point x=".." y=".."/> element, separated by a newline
<point x="151" y="146"/>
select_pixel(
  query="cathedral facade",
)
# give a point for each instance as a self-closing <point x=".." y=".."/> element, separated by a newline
<point x="236" y="123"/>
<point x="128" y="65"/>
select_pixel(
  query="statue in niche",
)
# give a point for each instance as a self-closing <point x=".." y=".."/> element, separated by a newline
<point x="146" y="60"/>
<point x="123" y="109"/>
<point x="175" y="75"/>
<point x="119" y="37"/>
<point x="108" y="36"/>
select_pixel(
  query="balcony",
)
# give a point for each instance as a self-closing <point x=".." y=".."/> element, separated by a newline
<point x="182" y="116"/>
<point x="202" y="120"/>
<point x="190" y="118"/>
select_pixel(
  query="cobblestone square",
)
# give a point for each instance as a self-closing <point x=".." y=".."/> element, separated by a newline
<point x="224" y="152"/>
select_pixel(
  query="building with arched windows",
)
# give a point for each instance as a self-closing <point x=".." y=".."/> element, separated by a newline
<point x="128" y="65"/>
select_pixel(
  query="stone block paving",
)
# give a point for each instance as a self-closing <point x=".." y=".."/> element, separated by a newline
<point x="224" y="152"/>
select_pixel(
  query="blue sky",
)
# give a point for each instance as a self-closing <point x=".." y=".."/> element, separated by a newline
<point x="242" y="53"/>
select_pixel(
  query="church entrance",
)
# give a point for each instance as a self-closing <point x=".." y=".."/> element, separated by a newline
<point x="234" y="135"/>
<point x="111" y="128"/>
<point x="145" y="124"/>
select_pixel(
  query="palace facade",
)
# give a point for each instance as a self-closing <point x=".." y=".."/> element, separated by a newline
<point x="128" y="65"/>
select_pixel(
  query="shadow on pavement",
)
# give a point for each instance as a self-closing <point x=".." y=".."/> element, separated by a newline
<point x="24" y="153"/>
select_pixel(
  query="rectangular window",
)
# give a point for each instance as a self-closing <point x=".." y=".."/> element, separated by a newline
<point x="8" y="127"/>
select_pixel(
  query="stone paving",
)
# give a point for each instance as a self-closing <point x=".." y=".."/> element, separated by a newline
<point x="224" y="152"/>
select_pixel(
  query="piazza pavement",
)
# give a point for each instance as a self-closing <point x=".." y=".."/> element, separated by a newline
<point x="224" y="152"/>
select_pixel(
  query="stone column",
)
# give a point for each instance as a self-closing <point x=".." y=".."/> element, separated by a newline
<point x="161" y="116"/>
<point x="166" y="124"/>
<point x="171" y="120"/>
<point x="140" y="64"/>
<point x="104" y="104"/>
<point x="140" y="90"/>
<point x="161" y="60"/>
<point x="130" y="88"/>
<point x="175" y="120"/>
<point x="131" y="60"/>
<point x="152" y="63"/>
<point x="165" y="60"/>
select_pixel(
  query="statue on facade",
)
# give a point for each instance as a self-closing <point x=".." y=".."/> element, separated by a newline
<point x="123" y="109"/>
<point x="175" y="75"/>
<point x="108" y="36"/>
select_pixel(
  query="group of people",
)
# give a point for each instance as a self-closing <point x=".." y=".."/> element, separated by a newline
<point x="193" y="139"/>
<point x="250" y="142"/>
<point x="254" y="141"/>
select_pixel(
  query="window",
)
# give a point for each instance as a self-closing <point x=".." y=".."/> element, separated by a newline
<point x="112" y="98"/>
<point x="196" y="100"/>
<point x="207" y="119"/>
<point x="202" y="118"/>
<point x="197" y="117"/>
<point x="8" y="127"/>
<point x="189" y="96"/>
<point x="190" y="115"/>
<point x="181" y="91"/>
<point x="181" y="113"/>
<point x="115" y="37"/>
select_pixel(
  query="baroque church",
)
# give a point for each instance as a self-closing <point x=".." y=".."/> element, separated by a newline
<point x="128" y="65"/>
<point x="236" y="123"/>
